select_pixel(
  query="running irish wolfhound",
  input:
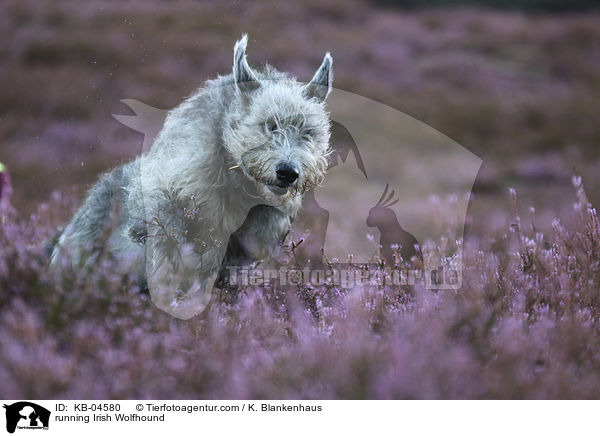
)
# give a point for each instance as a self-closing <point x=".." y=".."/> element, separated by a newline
<point x="219" y="186"/>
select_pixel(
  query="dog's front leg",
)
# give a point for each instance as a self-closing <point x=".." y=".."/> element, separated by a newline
<point x="260" y="237"/>
<point x="182" y="285"/>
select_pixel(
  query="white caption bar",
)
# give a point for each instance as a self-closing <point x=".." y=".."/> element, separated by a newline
<point x="297" y="417"/>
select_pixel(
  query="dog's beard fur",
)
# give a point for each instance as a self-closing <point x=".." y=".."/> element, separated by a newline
<point x="260" y="164"/>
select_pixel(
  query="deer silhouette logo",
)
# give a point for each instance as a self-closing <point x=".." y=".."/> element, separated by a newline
<point x="393" y="236"/>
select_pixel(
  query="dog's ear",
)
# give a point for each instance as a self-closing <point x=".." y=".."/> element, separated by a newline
<point x="243" y="75"/>
<point x="321" y="84"/>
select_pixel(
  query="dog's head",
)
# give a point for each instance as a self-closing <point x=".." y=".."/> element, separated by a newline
<point x="277" y="129"/>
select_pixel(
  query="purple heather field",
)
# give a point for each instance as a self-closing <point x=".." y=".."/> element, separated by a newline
<point x="520" y="90"/>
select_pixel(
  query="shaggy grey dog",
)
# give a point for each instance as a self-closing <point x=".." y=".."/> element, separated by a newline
<point x="219" y="186"/>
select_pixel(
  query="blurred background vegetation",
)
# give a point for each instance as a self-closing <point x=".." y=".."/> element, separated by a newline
<point x="516" y="84"/>
<point x="519" y="5"/>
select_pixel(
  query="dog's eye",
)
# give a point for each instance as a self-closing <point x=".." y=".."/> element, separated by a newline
<point x="308" y="133"/>
<point x="272" y="126"/>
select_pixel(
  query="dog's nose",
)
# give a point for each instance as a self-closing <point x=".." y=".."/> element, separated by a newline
<point x="286" y="173"/>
